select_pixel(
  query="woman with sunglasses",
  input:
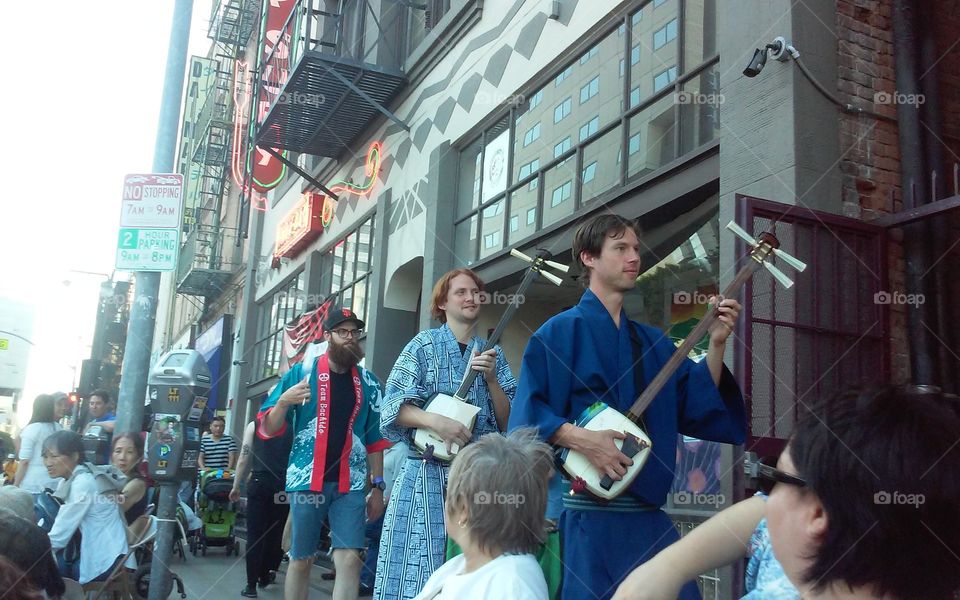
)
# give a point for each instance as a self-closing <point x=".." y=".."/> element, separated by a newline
<point x="863" y="503"/>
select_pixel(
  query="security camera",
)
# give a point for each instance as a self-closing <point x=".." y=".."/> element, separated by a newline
<point x="780" y="49"/>
<point x="756" y="63"/>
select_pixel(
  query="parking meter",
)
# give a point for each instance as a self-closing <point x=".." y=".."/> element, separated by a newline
<point x="178" y="388"/>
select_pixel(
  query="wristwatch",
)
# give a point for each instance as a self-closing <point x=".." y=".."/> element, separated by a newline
<point x="379" y="483"/>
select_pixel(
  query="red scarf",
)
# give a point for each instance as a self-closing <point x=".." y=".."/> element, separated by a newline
<point x="323" y="419"/>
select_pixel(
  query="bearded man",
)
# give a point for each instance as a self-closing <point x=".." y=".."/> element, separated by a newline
<point x="337" y="454"/>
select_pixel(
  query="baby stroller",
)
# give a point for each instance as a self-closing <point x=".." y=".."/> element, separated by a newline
<point x="216" y="512"/>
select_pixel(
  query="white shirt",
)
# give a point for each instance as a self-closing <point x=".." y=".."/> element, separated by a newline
<point x="509" y="576"/>
<point x="101" y="526"/>
<point x="31" y="447"/>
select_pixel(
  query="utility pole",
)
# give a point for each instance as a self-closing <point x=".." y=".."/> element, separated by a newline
<point x="143" y="313"/>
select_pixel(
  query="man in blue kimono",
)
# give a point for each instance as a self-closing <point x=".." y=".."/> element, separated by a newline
<point x="586" y="355"/>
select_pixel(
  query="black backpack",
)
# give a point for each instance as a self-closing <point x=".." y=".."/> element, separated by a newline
<point x="46" y="507"/>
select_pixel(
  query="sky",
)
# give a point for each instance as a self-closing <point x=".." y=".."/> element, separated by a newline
<point x="82" y="104"/>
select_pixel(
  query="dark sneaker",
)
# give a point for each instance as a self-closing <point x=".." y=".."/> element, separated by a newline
<point x="249" y="592"/>
<point x="365" y="590"/>
<point x="265" y="581"/>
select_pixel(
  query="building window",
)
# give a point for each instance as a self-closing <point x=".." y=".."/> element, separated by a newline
<point x="657" y="3"/>
<point x="536" y="99"/>
<point x="664" y="78"/>
<point x="527" y="169"/>
<point x="589" y="54"/>
<point x="562" y="110"/>
<point x="273" y="313"/>
<point x="561" y="194"/>
<point x="589" y="128"/>
<point x="351" y="268"/>
<point x="589" y="172"/>
<point x="619" y="116"/>
<point x="665" y="34"/>
<point x="532" y="134"/>
<point x="590" y="90"/>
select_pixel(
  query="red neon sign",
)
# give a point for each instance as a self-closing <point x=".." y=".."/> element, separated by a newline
<point x="268" y="172"/>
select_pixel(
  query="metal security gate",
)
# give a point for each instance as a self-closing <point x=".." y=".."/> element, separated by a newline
<point x="826" y="333"/>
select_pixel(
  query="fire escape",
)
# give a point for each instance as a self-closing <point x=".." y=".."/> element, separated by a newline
<point x="330" y="74"/>
<point x="211" y="253"/>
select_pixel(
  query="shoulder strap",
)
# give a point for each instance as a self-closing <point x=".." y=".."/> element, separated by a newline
<point x="636" y="347"/>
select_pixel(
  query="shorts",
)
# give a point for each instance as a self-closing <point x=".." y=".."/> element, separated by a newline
<point x="308" y="510"/>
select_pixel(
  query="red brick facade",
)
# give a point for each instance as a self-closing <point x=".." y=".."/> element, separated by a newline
<point x="870" y="163"/>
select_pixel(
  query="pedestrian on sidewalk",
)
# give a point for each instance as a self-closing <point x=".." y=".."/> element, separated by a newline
<point x="435" y="360"/>
<point x="266" y="463"/>
<point x="337" y="453"/>
<point x="217" y="451"/>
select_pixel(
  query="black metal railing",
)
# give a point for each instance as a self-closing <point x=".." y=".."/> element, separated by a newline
<point x="209" y="248"/>
<point x="232" y="21"/>
<point x="357" y="33"/>
<point x="215" y="120"/>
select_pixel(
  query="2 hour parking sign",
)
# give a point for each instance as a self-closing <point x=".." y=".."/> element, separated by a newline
<point x="150" y="217"/>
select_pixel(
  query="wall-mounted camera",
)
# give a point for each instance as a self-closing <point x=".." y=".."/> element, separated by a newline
<point x="778" y="49"/>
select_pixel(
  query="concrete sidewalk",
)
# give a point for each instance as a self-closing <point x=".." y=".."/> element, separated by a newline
<point x="220" y="577"/>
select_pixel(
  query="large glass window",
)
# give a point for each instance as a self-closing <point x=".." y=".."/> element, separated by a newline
<point x="273" y="313"/>
<point x="565" y="143"/>
<point x="352" y="266"/>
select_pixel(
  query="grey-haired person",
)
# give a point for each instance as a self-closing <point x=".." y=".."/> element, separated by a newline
<point x="496" y="498"/>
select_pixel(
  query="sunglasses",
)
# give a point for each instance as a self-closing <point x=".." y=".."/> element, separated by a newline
<point x="768" y="476"/>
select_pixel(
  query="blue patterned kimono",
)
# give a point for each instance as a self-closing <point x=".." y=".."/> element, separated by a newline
<point x="580" y="357"/>
<point x="414" y="539"/>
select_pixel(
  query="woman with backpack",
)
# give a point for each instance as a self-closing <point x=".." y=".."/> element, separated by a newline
<point x="31" y="474"/>
<point x="86" y="507"/>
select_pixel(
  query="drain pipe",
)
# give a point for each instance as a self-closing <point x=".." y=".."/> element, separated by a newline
<point x="931" y="129"/>
<point x="913" y="181"/>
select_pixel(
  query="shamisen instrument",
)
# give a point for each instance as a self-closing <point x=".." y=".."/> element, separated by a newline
<point x="637" y="444"/>
<point x="456" y="406"/>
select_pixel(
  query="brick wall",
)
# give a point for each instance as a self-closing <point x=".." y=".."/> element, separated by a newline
<point x="870" y="163"/>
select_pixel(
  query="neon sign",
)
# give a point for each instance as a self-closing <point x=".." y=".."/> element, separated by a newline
<point x="371" y="169"/>
<point x="268" y="172"/>
<point x="300" y="226"/>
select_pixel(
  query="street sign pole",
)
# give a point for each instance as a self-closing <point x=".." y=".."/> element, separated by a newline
<point x="136" y="356"/>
